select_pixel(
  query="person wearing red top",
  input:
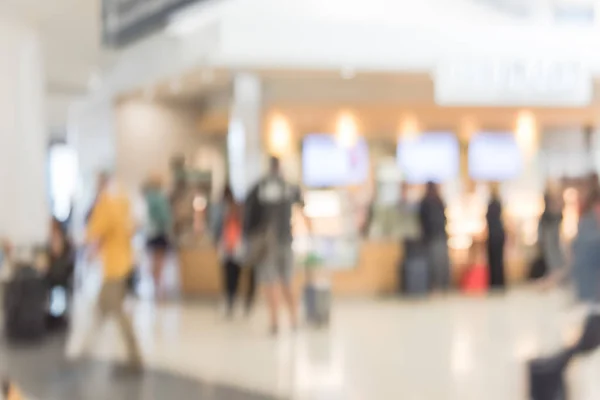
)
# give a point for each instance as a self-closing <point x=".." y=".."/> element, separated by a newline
<point x="227" y="231"/>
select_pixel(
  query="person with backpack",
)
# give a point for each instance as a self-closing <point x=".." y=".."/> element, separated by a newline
<point x="227" y="228"/>
<point x="267" y="225"/>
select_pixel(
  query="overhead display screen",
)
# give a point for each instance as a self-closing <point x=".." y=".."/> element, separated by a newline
<point x="328" y="163"/>
<point x="429" y="157"/>
<point x="494" y="156"/>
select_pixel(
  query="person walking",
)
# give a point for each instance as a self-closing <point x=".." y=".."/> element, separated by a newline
<point x="267" y="225"/>
<point x="227" y="226"/>
<point x="160" y="226"/>
<point x="546" y="374"/>
<point x="432" y="217"/>
<point x="111" y="228"/>
<point x="495" y="242"/>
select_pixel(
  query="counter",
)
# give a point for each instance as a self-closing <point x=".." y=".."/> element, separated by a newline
<point x="376" y="273"/>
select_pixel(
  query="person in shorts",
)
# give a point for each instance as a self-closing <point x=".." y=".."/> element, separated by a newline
<point x="159" y="228"/>
<point x="267" y="225"/>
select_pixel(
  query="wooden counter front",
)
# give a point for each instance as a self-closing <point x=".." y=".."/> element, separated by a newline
<point x="376" y="272"/>
<point x="199" y="271"/>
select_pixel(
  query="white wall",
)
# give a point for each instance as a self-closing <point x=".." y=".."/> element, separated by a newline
<point x="148" y="135"/>
<point x="57" y="114"/>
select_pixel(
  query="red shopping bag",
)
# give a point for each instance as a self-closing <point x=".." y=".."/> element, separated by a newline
<point x="475" y="280"/>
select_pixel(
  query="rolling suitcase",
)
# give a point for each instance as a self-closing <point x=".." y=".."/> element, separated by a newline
<point x="317" y="302"/>
<point x="415" y="270"/>
<point x="25" y="304"/>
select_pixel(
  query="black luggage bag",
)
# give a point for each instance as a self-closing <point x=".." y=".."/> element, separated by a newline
<point x="25" y="305"/>
<point x="415" y="269"/>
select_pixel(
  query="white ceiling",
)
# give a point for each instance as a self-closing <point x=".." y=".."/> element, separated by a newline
<point x="71" y="34"/>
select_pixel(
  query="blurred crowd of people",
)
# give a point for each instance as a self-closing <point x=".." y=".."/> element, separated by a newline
<point x="254" y="239"/>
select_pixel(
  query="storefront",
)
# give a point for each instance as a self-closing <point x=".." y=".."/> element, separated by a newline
<point x="353" y="163"/>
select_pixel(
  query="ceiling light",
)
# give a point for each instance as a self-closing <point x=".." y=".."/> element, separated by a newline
<point x="347" y="130"/>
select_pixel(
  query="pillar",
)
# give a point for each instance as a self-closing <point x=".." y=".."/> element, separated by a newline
<point x="91" y="132"/>
<point x="24" y="208"/>
<point x="246" y="155"/>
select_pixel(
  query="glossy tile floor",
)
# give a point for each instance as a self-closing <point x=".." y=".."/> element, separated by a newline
<point x="451" y="347"/>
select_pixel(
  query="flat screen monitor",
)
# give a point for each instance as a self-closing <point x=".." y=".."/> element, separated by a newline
<point x="429" y="157"/>
<point x="328" y="163"/>
<point x="494" y="156"/>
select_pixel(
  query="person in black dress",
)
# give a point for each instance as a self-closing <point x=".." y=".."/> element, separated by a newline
<point x="496" y="238"/>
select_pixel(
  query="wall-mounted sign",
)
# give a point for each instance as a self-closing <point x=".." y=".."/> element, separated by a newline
<point x="513" y="83"/>
<point x="124" y="21"/>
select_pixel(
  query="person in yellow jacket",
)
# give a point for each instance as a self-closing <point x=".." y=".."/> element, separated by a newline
<point x="111" y="228"/>
<point x="10" y="391"/>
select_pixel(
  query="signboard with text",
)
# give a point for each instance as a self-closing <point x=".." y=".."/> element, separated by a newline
<point x="516" y="82"/>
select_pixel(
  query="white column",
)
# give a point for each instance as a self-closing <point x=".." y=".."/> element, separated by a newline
<point x="91" y="131"/>
<point x="244" y="141"/>
<point x="24" y="208"/>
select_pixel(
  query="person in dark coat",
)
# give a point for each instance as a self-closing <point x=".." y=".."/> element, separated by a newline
<point x="496" y="239"/>
<point x="549" y="241"/>
<point x="432" y="218"/>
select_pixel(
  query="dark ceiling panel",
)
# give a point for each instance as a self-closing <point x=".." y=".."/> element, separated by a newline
<point x="124" y="21"/>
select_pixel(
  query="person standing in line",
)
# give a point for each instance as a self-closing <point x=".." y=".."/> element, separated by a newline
<point x="267" y="225"/>
<point x="495" y="242"/>
<point x="227" y="225"/>
<point x="160" y="228"/>
<point x="432" y="217"/>
<point x="409" y="229"/>
<point x="549" y="241"/>
<point x="111" y="228"/>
